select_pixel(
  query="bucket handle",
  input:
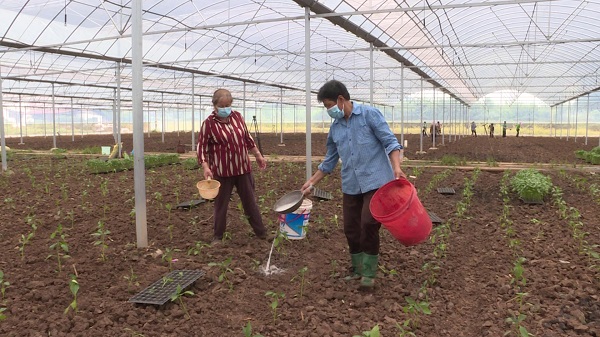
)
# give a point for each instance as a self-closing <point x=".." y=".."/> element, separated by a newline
<point x="294" y="219"/>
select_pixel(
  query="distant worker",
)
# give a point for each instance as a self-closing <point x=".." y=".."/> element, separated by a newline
<point x="438" y="128"/>
<point x="424" y="131"/>
<point x="473" y="129"/>
<point x="518" y="127"/>
<point x="491" y="130"/>
<point x="504" y="130"/>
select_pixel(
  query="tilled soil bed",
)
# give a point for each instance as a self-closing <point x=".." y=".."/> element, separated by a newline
<point x="472" y="293"/>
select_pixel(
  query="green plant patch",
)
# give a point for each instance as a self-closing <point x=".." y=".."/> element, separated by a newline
<point x="190" y="164"/>
<point x="116" y="165"/>
<point x="531" y="185"/>
<point x="92" y="150"/>
<point x="449" y="160"/>
<point x="592" y="156"/>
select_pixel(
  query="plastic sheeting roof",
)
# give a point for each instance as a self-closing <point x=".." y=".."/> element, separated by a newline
<point x="546" y="48"/>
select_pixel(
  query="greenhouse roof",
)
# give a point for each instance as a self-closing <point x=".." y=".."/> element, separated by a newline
<point x="468" y="49"/>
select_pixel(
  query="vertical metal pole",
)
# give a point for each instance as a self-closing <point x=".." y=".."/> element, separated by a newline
<point x="72" y="121"/>
<point x="576" y="116"/>
<point x="53" y="119"/>
<point x="81" y="115"/>
<point x="162" y="122"/>
<point x="281" y="112"/>
<point x="178" y="107"/>
<point x="44" y="112"/>
<point x="295" y="106"/>
<point x="193" y="108"/>
<point x="20" y="120"/>
<point x="244" y="100"/>
<point x="533" y="120"/>
<point x="141" y="228"/>
<point x="568" y="120"/>
<point x="372" y="75"/>
<point x="421" y="124"/>
<point x="443" y="117"/>
<point x="114" y="116"/>
<point x="118" y="98"/>
<point x="148" y="114"/>
<point x="307" y="80"/>
<point x="402" y="103"/>
<point x="2" y="135"/>
<point x="587" y="119"/>
<point x="561" y="119"/>
<point x="551" y="121"/>
<point x="433" y="121"/>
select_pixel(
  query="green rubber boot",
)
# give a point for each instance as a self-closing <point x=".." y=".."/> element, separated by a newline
<point x="370" y="265"/>
<point x="357" y="266"/>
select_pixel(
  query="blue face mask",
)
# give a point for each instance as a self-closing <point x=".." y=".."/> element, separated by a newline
<point x="335" y="112"/>
<point x="224" y="112"/>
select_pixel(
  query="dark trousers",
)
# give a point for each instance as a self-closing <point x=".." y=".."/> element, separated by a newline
<point x="244" y="184"/>
<point x="361" y="229"/>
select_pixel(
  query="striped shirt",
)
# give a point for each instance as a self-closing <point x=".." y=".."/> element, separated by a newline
<point x="224" y="145"/>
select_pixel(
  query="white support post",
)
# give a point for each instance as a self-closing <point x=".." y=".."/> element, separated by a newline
<point x="162" y="114"/>
<point x="2" y="136"/>
<point x="576" y="117"/>
<point x="118" y="103"/>
<point x="21" y="120"/>
<point x="587" y="119"/>
<point x="307" y="80"/>
<point x="53" y="119"/>
<point x="72" y="122"/>
<point x="193" y="111"/>
<point x="433" y="136"/>
<point x="402" y="103"/>
<point x="141" y="226"/>
<point x="421" y="124"/>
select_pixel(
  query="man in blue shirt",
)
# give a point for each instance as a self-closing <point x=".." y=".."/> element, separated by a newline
<point x="371" y="156"/>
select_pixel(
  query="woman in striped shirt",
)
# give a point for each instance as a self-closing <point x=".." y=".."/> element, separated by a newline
<point x="223" y="146"/>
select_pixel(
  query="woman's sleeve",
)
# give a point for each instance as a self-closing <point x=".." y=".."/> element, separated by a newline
<point x="202" y="147"/>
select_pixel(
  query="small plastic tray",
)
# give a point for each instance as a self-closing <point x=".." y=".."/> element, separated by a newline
<point x="320" y="194"/>
<point x="446" y="190"/>
<point x="160" y="292"/>
<point x="434" y="218"/>
<point x="190" y="204"/>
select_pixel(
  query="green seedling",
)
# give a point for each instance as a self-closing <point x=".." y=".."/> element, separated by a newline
<point x="518" y="277"/>
<point x="371" y="333"/>
<point x="404" y="329"/>
<point x="104" y="187"/>
<point x="247" y="330"/>
<point x="3" y="284"/>
<point x="74" y="287"/>
<point x="131" y="278"/>
<point x="60" y="246"/>
<point x="517" y="327"/>
<point x="413" y="309"/>
<point x="166" y="280"/>
<point x="226" y="237"/>
<point x="168" y="256"/>
<point x="2" y="315"/>
<point x="101" y="236"/>
<point x="224" y="270"/>
<point x="25" y="239"/>
<point x="170" y="225"/>
<point x="196" y="249"/>
<point x="334" y="273"/>
<point x="178" y="297"/>
<point x="275" y="297"/>
<point x="301" y="277"/>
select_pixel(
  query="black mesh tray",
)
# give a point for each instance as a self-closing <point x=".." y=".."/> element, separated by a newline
<point x="160" y="292"/>
<point x="320" y="194"/>
<point x="446" y="190"/>
<point x="434" y="218"/>
<point x="190" y="204"/>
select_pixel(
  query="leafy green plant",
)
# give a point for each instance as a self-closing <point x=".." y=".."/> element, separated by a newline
<point x="247" y="330"/>
<point x="531" y="185"/>
<point x="414" y="309"/>
<point x="301" y="277"/>
<point x="101" y="235"/>
<point x="168" y="256"/>
<point x="517" y="328"/>
<point x="3" y="284"/>
<point x="2" y="315"/>
<point x="371" y="333"/>
<point x="197" y="248"/>
<point x="275" y="297"/>
<point x="74" y="287"/>
<point x="178" y="297"/>
<point x="25" y="239"/>
<point x="60" y="246"/>
<point x="404" y="329"/>
<point x="225" y="270"/>
<point x="131" y="278"/>
<point x="450" y="160"/>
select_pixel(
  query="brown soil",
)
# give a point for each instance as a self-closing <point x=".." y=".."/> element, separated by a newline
<point x="472" y="295"/>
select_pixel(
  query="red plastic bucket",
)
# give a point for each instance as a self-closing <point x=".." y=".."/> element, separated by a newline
<point x="400" y="211"/>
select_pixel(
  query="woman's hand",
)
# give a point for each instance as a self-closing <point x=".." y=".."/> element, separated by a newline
<point x="208" y="173"/>
<point x="307" y="187"/>
<point x="261" y="161"/>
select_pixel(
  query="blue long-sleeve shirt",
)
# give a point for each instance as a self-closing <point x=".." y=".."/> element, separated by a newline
<point x="364" y="143"/>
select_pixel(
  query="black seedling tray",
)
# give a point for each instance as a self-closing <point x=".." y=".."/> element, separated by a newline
<point x="190" y="204"/>
<point x="320" y="194"/>
<point x="446" y="190"/>
<point x="160" y="292"/>
<point x="434" y="218"/>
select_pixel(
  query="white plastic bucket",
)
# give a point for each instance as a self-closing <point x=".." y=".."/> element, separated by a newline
<point x="105" y="150"/>
<point x="294" y="224"/>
